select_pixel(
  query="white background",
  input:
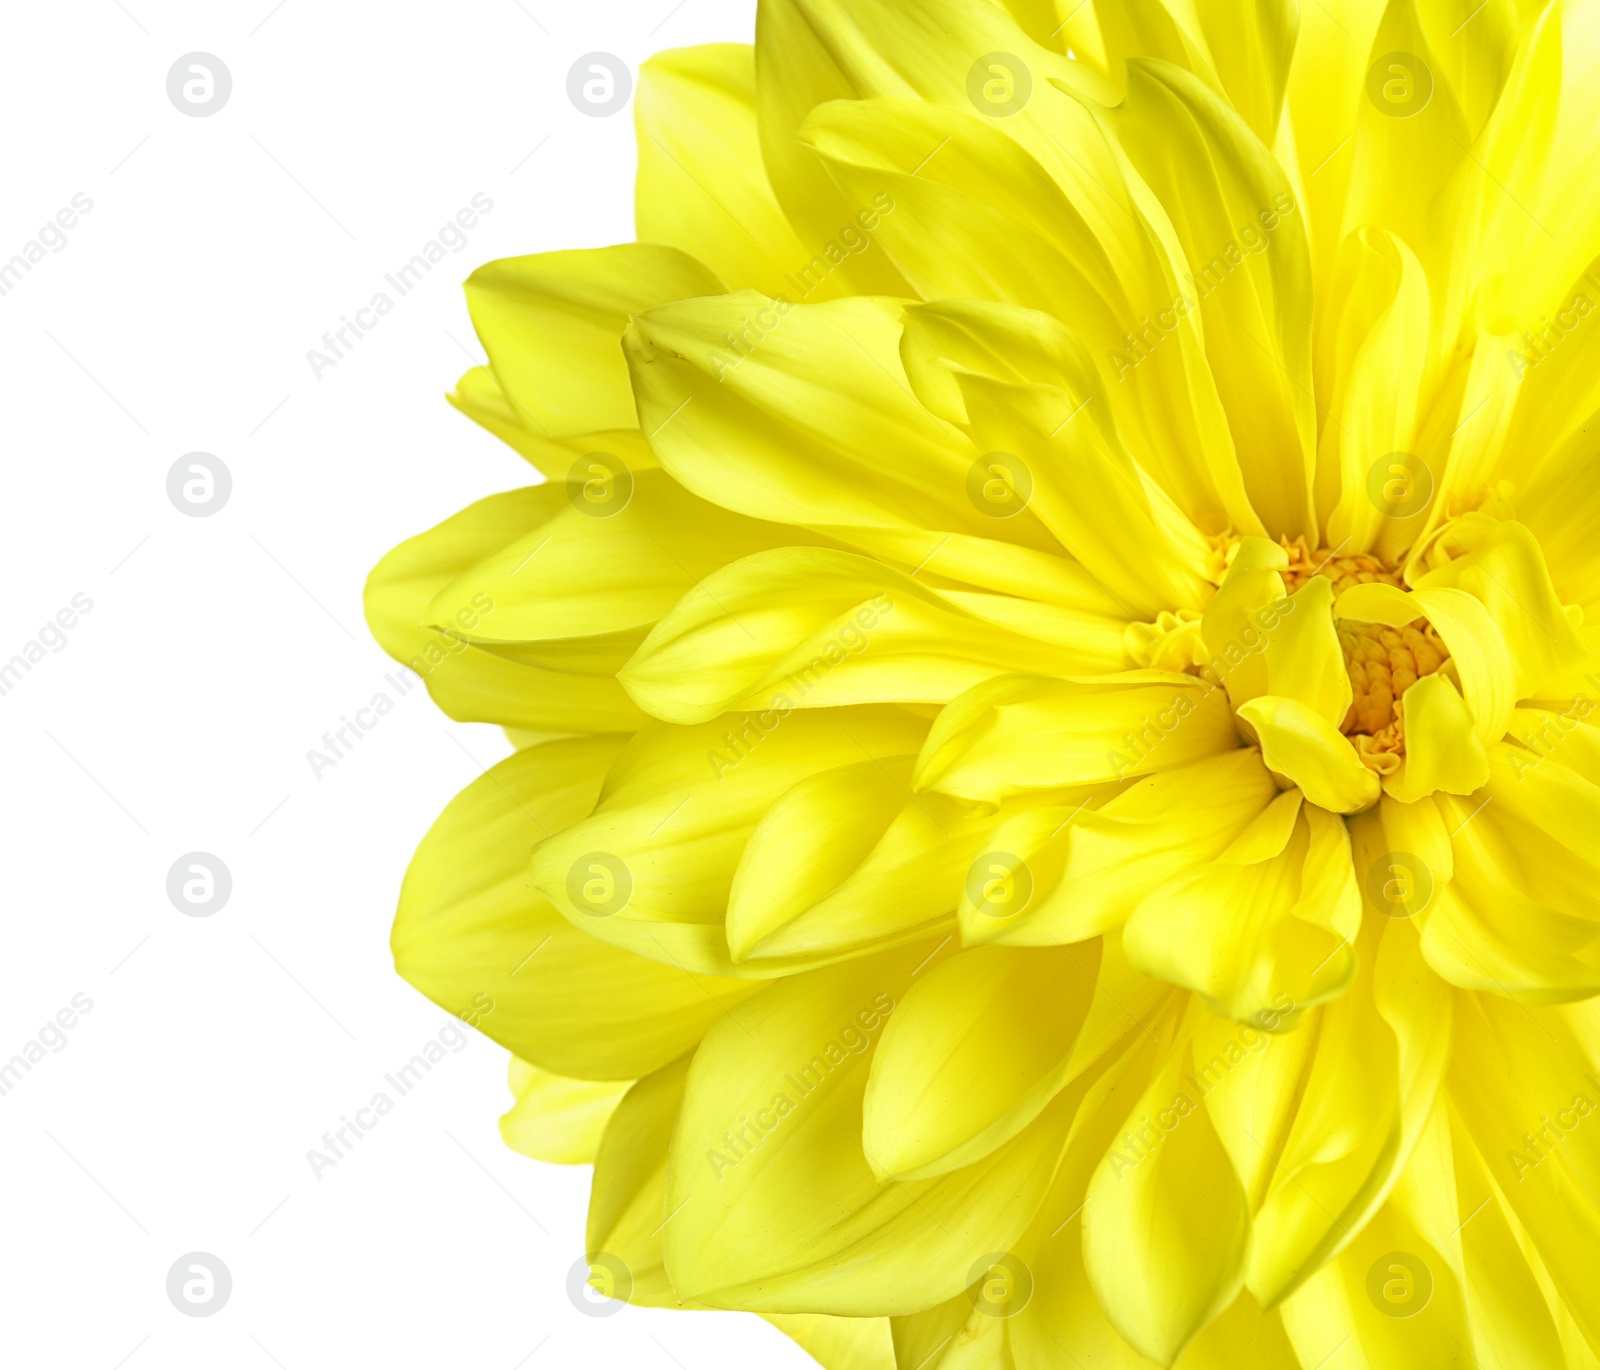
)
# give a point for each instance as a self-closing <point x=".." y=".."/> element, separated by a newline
<point x="219" y="650"/>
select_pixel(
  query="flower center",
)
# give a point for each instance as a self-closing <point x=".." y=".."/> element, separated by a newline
<point x="1383" y="662"/>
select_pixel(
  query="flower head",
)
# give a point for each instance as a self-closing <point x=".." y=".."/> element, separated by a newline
<point x="1056" y="804"/>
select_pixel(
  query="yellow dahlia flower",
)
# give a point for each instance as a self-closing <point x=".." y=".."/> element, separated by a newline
<point x="1056" y="818"/>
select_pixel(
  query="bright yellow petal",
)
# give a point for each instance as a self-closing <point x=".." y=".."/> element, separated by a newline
<point x="777" y="1207"/>
<point x="651" y="870"/>
<point x="473" y="937"/>
<point x="973" y="1055"/>
<point x="1021" y="733"/>
<point x="1443" y="751"/>
<point x="1166" y="1225"/>
<point x="701" y="186"/>
<point x="475" y="683"/>
<point x="1310" y="752"/>
<point x="552" y="325"/>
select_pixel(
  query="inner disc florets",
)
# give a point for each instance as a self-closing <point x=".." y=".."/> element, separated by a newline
<point x="1383" y="662"/>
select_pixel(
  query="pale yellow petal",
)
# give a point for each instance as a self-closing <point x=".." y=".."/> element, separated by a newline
<point x="556" y="1119"/>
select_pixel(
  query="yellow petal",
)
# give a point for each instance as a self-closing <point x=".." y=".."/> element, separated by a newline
<point x="1508" y="1308"/>
<point x="476" y="940"/>
<point x="1418" y="829"/>
<point x="1050" y="438"/>
<point x="469" y="682"/>
<point x="847" y="858"/>
<point x="1304" y="658"/>
<point x="1257" y="937"/>
<point x="1020" y="733"/>
<point x="556" y="1119"/>
<point x="1246" y="247"/>
<point x="963" y="1333"/>
<point x="1246" y="607"/>
<point x="973" y="1055"/>
<point x="1241" y="51"/>
<point x="839" y="1343"/>
<point x="1166" y="1226"/>
<point x="651" y="870"/>
<point x="1479" y="652"/>
<point x="483" y="399"/>
<point x="807" y="843"/>
<point x="1521" y="1079"/>
<point x="1250" y="1077"/>
<point x="1518" y="916"/>
<point x="777" y="1207"/>
<point x="627" y="1203"/>
<point x="797" y="69"/>
<point x="552" y="324"/>
<point x="1088" y="867"/>
<point x="701" y="185"/>
<point x="1500" y="565"/>
<point x="1378" y="333"/>
<point x="577" y="576"/>
<point x="1357" y="1300"/>
<point x="1443" y="751"/>
<point x="756" y="426"/>
<point x="1303" y="746"/>
<point x="815" y="628"/>
<point x="1324" y="97"/>
<point x="1381" y="1052"/>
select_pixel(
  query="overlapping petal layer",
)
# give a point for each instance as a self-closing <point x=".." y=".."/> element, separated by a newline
<point x="1058" y="810"/>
